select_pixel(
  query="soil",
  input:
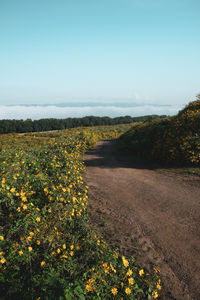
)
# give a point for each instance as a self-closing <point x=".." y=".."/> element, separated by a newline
<point x="150" y="213"/>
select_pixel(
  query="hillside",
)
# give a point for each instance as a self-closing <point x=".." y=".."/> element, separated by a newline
<point x="173" y="140"/>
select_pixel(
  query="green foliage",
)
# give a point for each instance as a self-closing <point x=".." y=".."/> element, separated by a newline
<point x="173" y="140"/>
<point x="47" y="249"/>
<point x="18" y="126"/>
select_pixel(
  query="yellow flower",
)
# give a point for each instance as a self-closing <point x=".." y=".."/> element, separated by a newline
<point x="64" y="246"/>
<point x="21" y="252"/>
<point x="64" y="255"/>
<point x="13" y="190"/>
<point x="1" y="238"/>
<point x="105" y="265"/>
<point x="128" y="291"/>
<point x="130" y="280"/>
<point x="112" y="268"/>
<point x="88" y="288"/>
<point x="42" y="263"/>
<point x="72" y="247"/>
<point x="38" y="242"/>
<point x="45" y="190"/>
<point x="155" y="294"/>
<point x="129" y="273"/>
<point x="3" y="260"/>
<point x="71" y="253"/>
<point x="125" y="262"/>
<point x="38" y="219"/>
<point x="31" y="233"/>
<point x="58" y="250"/>
<point x="30" y="249"/>
<point x="114" y="291"/>
<point x="156" y="270"/>
<point x="141" y="272"/>
<point x="158" y="286"/>
<point x="25" y="207"/>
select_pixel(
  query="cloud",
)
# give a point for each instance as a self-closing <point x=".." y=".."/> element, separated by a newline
<point x="35" y="112"/>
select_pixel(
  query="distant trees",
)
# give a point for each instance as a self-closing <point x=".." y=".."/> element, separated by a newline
<point x="19" y="126"/>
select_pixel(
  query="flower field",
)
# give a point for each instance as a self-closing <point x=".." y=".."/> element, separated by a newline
<point x="47" y="249"/>
<point x="174" y="140"/>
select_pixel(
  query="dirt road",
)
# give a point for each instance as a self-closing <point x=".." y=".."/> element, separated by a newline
<point x="149" y="213"/>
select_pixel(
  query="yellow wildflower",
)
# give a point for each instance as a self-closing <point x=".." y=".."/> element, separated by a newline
<point x="38" y="219"/>
<point x="30" y="249"/>
<point x="141" y="272"/>
<point x="125" y="262"/>
<point x="3" y="260"/>
<point x="114" y="291"/>
<point x="130" y="280"/>
<point x="112" y="268"/>
<point x="1" y="238"/>
<point x="128" y="291"/>
<point x="42" y="263"/>
<point x="25" y="207"/>
<point x="21" y="252"/>
<point x="158" y="286"/>
<point x="88" y="288"/>
<point x="155" y="294"/>
<point x="129" y="273"/>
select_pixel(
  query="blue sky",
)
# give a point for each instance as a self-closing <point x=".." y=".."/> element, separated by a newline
<point x="54" y="51"/>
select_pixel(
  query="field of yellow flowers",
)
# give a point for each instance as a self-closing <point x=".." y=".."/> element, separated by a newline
<point x="47" y="249"/>
<point x="173" y="140"/>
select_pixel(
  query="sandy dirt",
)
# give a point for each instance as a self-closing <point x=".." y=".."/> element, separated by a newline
<point x="147" y="212"/>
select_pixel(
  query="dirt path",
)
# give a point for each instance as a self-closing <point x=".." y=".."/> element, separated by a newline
<point x="151" y="214"/>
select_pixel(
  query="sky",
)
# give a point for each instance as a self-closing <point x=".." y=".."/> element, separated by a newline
<point x="145" y="52"/>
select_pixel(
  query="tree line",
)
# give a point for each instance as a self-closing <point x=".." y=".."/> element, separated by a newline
<point x="20" y="126"/>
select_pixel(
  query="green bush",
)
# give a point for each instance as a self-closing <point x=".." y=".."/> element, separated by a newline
<point x="173" y="140"/>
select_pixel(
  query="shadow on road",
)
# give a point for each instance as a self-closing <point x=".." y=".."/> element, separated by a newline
<point x="108" y="155"/>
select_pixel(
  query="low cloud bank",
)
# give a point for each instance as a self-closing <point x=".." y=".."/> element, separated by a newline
<point x="52" y="111"/>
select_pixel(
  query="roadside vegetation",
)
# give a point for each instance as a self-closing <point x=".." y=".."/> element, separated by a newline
<point x="48" y="251"/>
<point x="172" y="141"/>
